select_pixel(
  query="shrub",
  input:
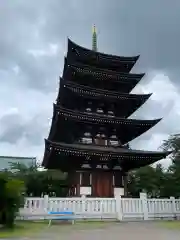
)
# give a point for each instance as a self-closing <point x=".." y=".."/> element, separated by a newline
<point x="11" y="199"/>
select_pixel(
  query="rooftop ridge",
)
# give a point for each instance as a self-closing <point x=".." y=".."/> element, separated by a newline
<point x="106" y="55"/>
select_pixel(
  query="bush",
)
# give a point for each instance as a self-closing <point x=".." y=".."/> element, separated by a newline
<point x="11" y="199"/>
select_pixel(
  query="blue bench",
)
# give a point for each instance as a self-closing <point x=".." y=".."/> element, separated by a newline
<point x="65" y="215"/>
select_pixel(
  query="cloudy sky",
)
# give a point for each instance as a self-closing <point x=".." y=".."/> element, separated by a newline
<point x="33" y="43"/>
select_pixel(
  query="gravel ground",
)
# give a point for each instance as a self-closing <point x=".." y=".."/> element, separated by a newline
<point x="111" y="231"/>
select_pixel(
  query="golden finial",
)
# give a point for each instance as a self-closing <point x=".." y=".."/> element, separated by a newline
<point x="94" y="29"/>
<point x="94" y="39"/>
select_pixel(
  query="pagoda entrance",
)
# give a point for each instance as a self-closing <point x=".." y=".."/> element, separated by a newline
<point x="102" y="184"/>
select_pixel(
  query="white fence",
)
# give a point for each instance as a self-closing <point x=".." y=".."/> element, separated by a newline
<point x="107" y="208"/>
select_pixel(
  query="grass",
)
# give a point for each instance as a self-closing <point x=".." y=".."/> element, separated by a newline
<point x="171" y="224"/>
<point x="22" y="229"/>
<point x="31" y="228"/>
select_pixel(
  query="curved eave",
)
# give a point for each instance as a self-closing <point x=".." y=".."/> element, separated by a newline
<point x="128" y="129"/>
<point x="130" y="164"/>
<point x="98" y="118"/>
<point x="100" y="93"/>
<point x="53" y="124"/>
<point x="128" y="159"/>
<point x="108" y="151"/>
<point x="69" y="90"/>
<point x="90" y="70"/>
<point x="73" y="45"/>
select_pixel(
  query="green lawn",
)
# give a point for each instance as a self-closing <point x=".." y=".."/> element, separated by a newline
<point x="30" y="228"/>
<point x="23" y="229"/>
<point x="171" y="224"/>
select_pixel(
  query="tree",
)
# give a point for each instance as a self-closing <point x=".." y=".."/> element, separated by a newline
<point x="51" y="182"/>
<point x="173" y="173"/>
<point x="147" y="179"/>
<point x="173" y="143"/>
<point x="11" y="199"/>
<point x="156" y="181"/>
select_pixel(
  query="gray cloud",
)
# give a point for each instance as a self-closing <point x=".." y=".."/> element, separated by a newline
<point x="32" y="47"/>
<point x="15" y="127"/>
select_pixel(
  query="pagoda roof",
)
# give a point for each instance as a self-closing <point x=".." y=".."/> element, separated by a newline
<point x="91" y="57"/>
<point x="131" y="101"/>
<point x="102" y="118"/>
<point x="127" y="129"/>
<point x="127" y="158"/>
<point x="75" y="71"/>
<point x="110" y="74"/>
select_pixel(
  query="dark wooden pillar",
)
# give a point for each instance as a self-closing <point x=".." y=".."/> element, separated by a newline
<point x="118" y="179"/>
<point x="72" y="183"/>
<point x="125" y="180"/>
<point x="85" y="178"/>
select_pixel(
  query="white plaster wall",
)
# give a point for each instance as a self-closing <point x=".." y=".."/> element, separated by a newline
<point x="85" y="191"/>
<point x="118" y="192"/>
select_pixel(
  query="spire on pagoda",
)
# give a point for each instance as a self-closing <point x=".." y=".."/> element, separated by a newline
<point x="94" y="39"/>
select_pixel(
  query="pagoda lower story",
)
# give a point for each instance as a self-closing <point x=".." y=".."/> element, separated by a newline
<point x="96" y="171"/>
<point x="97" y="184"/>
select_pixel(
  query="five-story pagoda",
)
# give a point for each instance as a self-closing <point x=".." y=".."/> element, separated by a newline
<point x="91" y="127"/>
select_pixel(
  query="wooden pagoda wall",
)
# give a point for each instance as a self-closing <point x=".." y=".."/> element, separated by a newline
<point x="102" y="183"/>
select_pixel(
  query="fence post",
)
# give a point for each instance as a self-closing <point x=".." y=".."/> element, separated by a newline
<point x="143" y="198"/>
<point x="119" y="208"/>
<point x="173" y="206"/>
<point x="83" y="197"/>
<point x="46" y="202"/>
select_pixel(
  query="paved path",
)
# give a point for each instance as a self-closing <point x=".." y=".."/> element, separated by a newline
<point x="116" y="231"/>
<point x="111" y="231"/>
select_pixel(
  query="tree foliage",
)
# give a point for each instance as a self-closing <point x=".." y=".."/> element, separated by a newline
<point x="156" y="181"/>
<point x="11" y="199"/>
<point x="173" y="143"/>
<point x="40" y="182"/>
<point x="148" y="179"/>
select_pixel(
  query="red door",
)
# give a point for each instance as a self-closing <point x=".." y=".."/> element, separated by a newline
<point x="102" y="184"/>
